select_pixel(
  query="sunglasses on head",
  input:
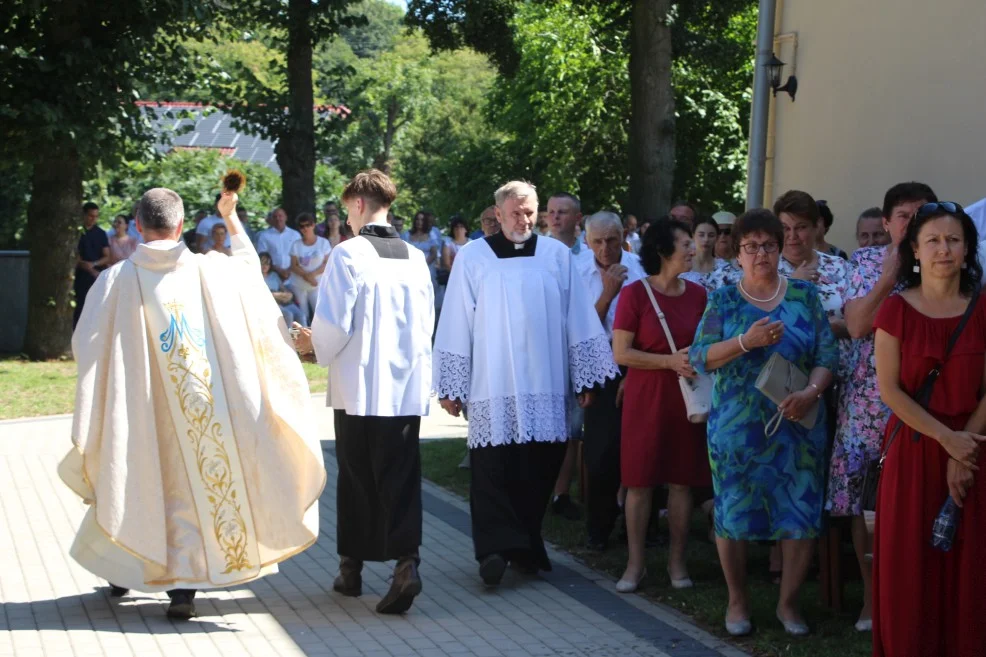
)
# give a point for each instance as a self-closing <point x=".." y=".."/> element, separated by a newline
<point x="939" y="206"/>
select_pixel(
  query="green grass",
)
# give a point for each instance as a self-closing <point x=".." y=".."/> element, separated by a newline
<point x="832" y="634"/>
<point x="30" y="389"/>
<point x="318" y="377"/>
<point x="33" y="389"/>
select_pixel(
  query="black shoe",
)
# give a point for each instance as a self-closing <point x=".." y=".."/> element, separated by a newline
<point x="596" y="545"/>
<point x="491" y="569"/>
<point x="563" y="506"/>
<point x="525" y="566"/>
<point x="182" y="605"/>
<point x="405" y="587"/>
<point x="350" y="579"/>
<point x="118" y="591"/>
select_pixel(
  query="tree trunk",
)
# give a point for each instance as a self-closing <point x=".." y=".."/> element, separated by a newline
<point x="296" y="147"/>
<point x="382" y="160"/>
<point x="54" y="218"/>
<point x="651" y="109"/>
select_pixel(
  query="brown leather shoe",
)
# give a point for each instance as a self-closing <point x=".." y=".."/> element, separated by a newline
<point x="350" y="579"/>
<point x="405" y="587"/>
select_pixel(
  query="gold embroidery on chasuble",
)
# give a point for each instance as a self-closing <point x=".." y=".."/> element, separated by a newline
<point x="204" y="445"/>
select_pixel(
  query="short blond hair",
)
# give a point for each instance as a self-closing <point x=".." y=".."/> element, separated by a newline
<point x="373" y="186"/>
<point x="519" y="189"/>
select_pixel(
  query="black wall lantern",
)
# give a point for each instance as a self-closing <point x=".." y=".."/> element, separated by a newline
<point x="774" y="67"/>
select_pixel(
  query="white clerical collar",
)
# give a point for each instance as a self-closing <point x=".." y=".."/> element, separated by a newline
<point x="161" y="244"/>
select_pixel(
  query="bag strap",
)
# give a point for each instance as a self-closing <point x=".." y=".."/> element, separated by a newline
<point x="660" y="316"/>
<point x="923" y="395"/>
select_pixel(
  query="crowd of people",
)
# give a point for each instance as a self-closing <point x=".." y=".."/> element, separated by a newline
<point x="544" y="328"/>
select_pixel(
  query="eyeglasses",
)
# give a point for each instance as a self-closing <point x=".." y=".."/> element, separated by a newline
<point x="752" y="248"/>
<point x="931" y="208"/>
<point x="306" y="225"/>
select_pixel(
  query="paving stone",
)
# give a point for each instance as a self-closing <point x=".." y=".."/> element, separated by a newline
<point x="53" y="607"/>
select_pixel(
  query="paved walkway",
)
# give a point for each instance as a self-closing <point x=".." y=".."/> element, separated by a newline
<point x="53" y="608"/>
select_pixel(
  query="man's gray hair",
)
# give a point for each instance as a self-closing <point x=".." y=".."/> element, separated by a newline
<point x="602" y="221"/>
<point x="519" y="189"/>
<point x="160" y="210"/>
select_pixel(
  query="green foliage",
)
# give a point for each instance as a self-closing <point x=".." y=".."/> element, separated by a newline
<point x="566" y="108"/>
<point x="421" y="115"/>
<point x="15" y="188"/>
<point x="564" y="101"/>
<point x="194" y="174"/>
<point x="712" y="81"/>
<point x="486" y="25"/>
<point x="71" y="70"/>
<point x="377" y="33"/>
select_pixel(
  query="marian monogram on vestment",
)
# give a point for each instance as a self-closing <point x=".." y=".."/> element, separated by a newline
<point x="189" y="371"/>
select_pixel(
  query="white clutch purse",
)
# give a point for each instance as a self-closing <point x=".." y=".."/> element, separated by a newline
<point x="778" y="379"/>
<point x="696" y="392"/>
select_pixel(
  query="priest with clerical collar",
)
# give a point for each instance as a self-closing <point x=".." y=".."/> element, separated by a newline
<point x="372" y="329"/>
<point x="517" y="333"/>
<point x="193" y="435"/>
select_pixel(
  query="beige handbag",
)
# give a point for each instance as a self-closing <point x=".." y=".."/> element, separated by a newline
<point x="778" y="379"/>
<point x="698" y="391"/>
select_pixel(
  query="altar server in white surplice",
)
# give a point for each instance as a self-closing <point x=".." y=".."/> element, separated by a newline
<point x="372" y="328"/>
<point x="516" y="336"/>
<point x="194" y="440"/>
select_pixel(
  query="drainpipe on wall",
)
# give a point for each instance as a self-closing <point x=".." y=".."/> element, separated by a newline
<point x="757" y="163"/>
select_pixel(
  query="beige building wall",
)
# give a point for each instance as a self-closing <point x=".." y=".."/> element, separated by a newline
<point x="889" y="91"/>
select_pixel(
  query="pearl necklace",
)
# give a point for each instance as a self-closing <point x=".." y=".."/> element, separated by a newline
<point x="753" y="298"/>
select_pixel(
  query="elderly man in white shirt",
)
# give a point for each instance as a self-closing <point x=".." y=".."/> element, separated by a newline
<point x="605" y="268"/>
<point x="277" y="241"/>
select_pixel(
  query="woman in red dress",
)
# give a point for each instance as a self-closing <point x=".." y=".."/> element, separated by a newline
<point x="929" y="603"/>
<point x="659" y="445"/>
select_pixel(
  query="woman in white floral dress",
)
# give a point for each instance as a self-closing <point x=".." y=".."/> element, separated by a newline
<point x="830" y="274"/>
<point x="862" y="415"/>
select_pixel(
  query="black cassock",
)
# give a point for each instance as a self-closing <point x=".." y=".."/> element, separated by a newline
<point x="512" y="484"/>
<point x="378" y="495"/>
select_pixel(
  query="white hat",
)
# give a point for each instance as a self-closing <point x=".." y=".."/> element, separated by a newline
<point x="724" y="218"/>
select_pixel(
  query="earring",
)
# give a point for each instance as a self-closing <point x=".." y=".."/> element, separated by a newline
<point x="917" y="268"/>
<point x="965" y="265"/>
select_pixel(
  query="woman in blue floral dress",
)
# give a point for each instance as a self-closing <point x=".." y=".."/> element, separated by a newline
<point x="766" y="487"/>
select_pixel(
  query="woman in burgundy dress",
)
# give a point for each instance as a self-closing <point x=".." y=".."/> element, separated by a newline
<point x="929" y="603"/>
<point x="659" y="445"/>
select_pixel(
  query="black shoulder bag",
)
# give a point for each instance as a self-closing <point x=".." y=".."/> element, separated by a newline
<point x="923" y="396"/>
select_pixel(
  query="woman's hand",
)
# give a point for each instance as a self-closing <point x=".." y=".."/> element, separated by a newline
<point x="763" y="333"/>
<point x="797" y="404"/>
<point x="806" y="272"/>
<point x="960" y="480"/>
<point x="619" y="394"/>
<point x="963" y="446"/>
<point x="586" y="398"/>
<point x="680" y="363"/>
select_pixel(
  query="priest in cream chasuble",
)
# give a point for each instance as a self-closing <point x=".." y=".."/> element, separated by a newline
<point x="517" y="335"/>
<point x="194" y="441"/>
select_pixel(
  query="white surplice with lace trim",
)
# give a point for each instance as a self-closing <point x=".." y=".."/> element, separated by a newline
<point x="515" y="337"/>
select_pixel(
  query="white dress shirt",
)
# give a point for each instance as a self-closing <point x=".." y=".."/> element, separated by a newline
<point x="592" y="278"/>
